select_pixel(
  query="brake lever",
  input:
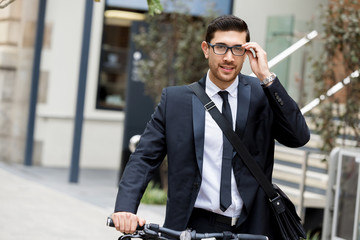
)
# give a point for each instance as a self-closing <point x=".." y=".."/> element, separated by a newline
<point x="150" y="232"/>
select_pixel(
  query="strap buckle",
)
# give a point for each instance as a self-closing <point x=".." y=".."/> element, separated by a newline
<point x="275" y="198"/>
<point x="210" y="105"/>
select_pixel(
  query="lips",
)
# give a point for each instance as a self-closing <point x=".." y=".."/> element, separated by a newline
<point x="227" y="68"/>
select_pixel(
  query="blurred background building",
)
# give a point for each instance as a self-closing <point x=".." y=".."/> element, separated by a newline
<point x="274" y="24"/>
<point x="40" y="75"/>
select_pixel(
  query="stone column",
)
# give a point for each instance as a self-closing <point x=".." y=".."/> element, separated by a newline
<point x="17" y="34"/>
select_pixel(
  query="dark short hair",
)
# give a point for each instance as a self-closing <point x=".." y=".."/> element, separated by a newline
<point x="227" y="23"/>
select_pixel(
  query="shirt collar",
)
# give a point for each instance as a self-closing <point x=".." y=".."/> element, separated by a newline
<point x="212" y="89"/>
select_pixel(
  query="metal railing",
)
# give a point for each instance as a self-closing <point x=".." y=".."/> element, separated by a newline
<point x="341" y="215"/>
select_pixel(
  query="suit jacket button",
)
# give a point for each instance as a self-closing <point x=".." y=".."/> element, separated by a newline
<point x="196" y="185"/>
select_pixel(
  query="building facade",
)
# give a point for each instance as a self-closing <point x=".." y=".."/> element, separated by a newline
<point x="108" y="71"/>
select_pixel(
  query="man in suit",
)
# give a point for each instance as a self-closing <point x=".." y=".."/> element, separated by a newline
<point x="260" y="111"/>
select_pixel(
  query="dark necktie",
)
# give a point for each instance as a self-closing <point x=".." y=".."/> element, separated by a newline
<point x="225" y="183"/>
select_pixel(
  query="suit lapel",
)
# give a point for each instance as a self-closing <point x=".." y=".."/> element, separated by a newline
<point x="199" y="129"/>
<point x="240" y="170"/>
<point x="198" y="113"/>
<point x="244" y="94"/>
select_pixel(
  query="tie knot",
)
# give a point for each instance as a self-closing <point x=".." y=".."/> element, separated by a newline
<point x="224" y="95"/>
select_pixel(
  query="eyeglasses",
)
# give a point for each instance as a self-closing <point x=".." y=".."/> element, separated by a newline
<point x="221" y="49"/>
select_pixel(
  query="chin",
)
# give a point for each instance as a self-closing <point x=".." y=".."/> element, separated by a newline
<point x="229" y="78"/>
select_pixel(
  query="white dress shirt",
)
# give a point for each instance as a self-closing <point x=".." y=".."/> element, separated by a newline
<point x="209" y="194"/>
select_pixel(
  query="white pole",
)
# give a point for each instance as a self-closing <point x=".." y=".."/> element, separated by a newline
<point x="330" y="92"/>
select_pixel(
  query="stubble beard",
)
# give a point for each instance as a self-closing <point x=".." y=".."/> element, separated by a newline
<point x="226" y="79"/>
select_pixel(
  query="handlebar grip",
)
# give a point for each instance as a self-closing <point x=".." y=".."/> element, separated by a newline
<point x="110" y="223"/>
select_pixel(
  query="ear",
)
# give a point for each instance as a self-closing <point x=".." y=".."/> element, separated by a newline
<point x="205" y="48"/>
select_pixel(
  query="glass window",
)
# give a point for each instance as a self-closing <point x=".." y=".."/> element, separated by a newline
<point x="279" y="32"/>
<point x="113" y="63"/>
<point x="114" y="59"/>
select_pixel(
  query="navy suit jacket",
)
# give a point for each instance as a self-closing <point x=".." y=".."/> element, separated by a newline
<point x="176" y="129"/>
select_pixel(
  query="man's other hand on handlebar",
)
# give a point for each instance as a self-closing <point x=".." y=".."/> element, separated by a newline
<point x="127" y="222"/>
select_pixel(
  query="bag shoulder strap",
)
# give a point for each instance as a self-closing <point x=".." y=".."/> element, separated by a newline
<point x="235" y="140"/>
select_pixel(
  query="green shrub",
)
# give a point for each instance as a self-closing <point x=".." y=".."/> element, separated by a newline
<point x="154" y="195"/>
<point x="314" y="236"/>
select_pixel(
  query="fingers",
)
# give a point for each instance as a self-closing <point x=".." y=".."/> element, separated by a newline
<point x="250" y="55"/>
<point x="141" y="222"/>
<point x="259" y="63"/>
<point x="126" y="222"/>
<point x="256" y="47"/>
<point x="259" y="52"/>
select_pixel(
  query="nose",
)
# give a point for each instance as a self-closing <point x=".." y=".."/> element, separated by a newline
<point x="228" y="56"/>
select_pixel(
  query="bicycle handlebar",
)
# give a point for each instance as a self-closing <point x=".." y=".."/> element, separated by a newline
<point x="152" y="231"/>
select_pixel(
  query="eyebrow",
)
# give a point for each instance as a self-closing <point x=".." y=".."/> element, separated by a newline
<point x="221" y="43"/>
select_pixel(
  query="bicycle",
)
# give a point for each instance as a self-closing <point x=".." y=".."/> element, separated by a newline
<point x="153" y="231"/>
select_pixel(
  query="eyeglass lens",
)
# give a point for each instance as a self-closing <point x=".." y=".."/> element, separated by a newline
<point x="222" y="49"/>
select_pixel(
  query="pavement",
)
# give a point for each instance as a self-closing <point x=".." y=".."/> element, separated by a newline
<point x="39" y="203"/>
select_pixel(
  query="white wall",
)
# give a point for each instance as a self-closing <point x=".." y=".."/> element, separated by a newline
<point x="62" y="58"/>
<point x="102" y="130"/>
